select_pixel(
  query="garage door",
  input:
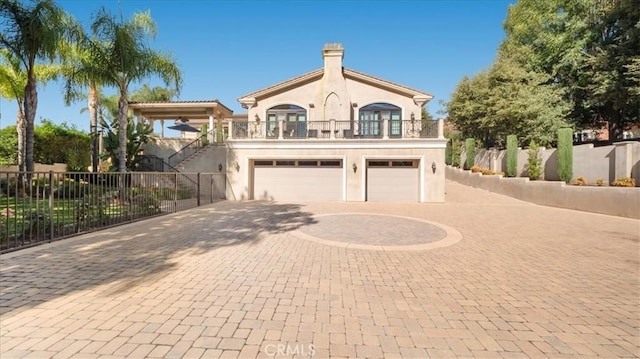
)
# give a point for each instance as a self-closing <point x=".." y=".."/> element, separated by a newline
<point x="393" y="180"/>
<point x="298" y="180"/>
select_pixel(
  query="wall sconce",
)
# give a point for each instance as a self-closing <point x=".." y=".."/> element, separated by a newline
<point x="413" y="116"/>
<point x="433" y="167"/>
<point x="257" y="119"/>
<point x="237" y="167"/>
<point x="219" y="167"/>
<point x="355" y="167"/>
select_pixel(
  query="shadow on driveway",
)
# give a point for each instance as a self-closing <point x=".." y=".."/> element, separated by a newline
<point x="131" y="255"/>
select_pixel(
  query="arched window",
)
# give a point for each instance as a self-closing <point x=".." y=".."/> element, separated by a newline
<point x="294" y="118"/>
<point x="371" y="117"/>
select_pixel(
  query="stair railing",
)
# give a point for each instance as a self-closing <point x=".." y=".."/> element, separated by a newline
<point x="190" y="149"/>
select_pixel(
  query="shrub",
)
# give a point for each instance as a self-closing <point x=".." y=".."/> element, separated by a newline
<point x="534" y="162"/>
<point x="512" y="155"/>
<point x="565" y="154"/>
<point x="600" y="182"/>
<point x="484" y="171"/>
<point x="624" y="182"/>
<point x="581" y="181"/>
<point x="452" y="153"/>
<point x="470" y="147"/>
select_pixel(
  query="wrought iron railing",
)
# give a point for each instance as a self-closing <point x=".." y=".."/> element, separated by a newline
<point x="41" y="207"/>
<point x="191" y="149"/>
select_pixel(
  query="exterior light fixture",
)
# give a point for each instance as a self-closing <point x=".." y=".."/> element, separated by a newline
<point x="219" y="167"/>
<point x="413" y="116"/>
<point x="257" y="119"/>
<point x="237" y="167"/>
<point x="355" y="167"/>
<point x="433" y="167"/>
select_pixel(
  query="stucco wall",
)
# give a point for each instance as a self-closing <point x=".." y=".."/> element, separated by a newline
<point x="592" y="163"/>
<point x="615" y="201"/>
<point x="364" y="94"/>
<point x="38" y="167"/>
<point x="165" y="147"/>
<point x="357" y="93"/>
<point x="206" y="160"/>
<point x="239" y="177"/>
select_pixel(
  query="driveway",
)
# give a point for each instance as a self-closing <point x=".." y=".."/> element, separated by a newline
<point x="481" y="275"/>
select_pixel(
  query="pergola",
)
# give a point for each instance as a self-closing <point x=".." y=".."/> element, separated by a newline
<point x="195" y="113"/>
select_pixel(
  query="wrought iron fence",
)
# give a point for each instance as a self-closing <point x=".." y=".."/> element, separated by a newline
<point x="40" y="207"/>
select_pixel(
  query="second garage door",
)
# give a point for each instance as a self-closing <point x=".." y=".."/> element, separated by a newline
<point x="298" y="180"/>
<point x="393" y="180"/>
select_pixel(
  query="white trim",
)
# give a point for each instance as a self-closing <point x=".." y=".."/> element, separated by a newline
<point x="298" y="157"/>
<point x="423" y="193"/>
<point x="421" y="169"/>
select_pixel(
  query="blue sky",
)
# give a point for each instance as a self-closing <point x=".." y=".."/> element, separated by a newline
<point x="229" y="48"/>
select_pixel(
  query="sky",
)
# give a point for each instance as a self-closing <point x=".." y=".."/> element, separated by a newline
<point x="227" y="49"/>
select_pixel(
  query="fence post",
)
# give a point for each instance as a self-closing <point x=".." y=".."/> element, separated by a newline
<point x="50" y="206"/>
<point x="198" y="190"/>
<point x="175" y="193"/>
<point x="211" y="185"/>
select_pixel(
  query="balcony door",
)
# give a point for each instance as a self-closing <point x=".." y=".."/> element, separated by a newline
<point x="372" y="118"/>
<point x="294" y="121"/>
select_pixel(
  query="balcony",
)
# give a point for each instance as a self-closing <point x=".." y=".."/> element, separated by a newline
<point x="335" y="130"/>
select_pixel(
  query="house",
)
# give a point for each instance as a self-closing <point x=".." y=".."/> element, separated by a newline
<point x="333" y="134"/>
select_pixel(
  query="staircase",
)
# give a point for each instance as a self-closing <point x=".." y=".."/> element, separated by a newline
<point x="190" y="149"/>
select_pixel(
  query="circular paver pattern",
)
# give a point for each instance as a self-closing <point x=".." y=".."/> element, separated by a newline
<point x="378" y="232"/>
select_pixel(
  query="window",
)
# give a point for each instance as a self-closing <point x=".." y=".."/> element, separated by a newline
<point x="373" y="115"/>
<point x="263" y="163"/>
<point x="295" y="118"/>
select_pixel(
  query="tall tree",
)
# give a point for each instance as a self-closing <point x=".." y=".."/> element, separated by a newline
<point x="130" y="59"/>
<point x="589" y="48"/>
<point x="13" y="80"/>
<point x="85" y="67"/>
<point x="31" y="33"/>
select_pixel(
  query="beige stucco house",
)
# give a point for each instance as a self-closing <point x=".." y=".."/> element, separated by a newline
<point x="332" y="134"/>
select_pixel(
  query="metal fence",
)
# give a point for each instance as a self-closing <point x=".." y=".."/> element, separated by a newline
<point x="40" y="207"/>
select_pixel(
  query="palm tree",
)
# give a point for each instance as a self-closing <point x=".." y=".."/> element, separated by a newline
<point x="31" y="33"/>
<point x="13" y="81"/>
<point x="129" y="59"/>
<point x="84" y="67"/>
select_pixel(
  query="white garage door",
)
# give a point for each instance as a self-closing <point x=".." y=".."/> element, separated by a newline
<point x="393" y="181"/>
<point x="298" y="180"/>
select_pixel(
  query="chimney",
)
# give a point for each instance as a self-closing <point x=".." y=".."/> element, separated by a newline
<point x="333" y="55"/>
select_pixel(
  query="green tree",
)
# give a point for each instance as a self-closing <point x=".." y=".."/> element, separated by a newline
<point x="565" y="154"/>
<point x="470" y="150"/>
<point x="62" y="144"/>
<point x="534" y="162"/>
<point x="130" y="59"/>
<point x="32" y="33"/>
<point x="12" y="85"/>
<point x="157" y="93"/>
<point x="8" y="146"/>
<point x="507" y="99"/>
<point x="512" y="155"/>
<point x="589" y="48"/>
<point x="137" y="135"/>
<point x="85" y="68"/>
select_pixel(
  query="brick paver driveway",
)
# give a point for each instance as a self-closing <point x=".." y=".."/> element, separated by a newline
<point x="234" y="279"/>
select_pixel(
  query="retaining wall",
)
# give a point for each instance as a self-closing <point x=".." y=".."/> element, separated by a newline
<point x="615" y="201"/>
